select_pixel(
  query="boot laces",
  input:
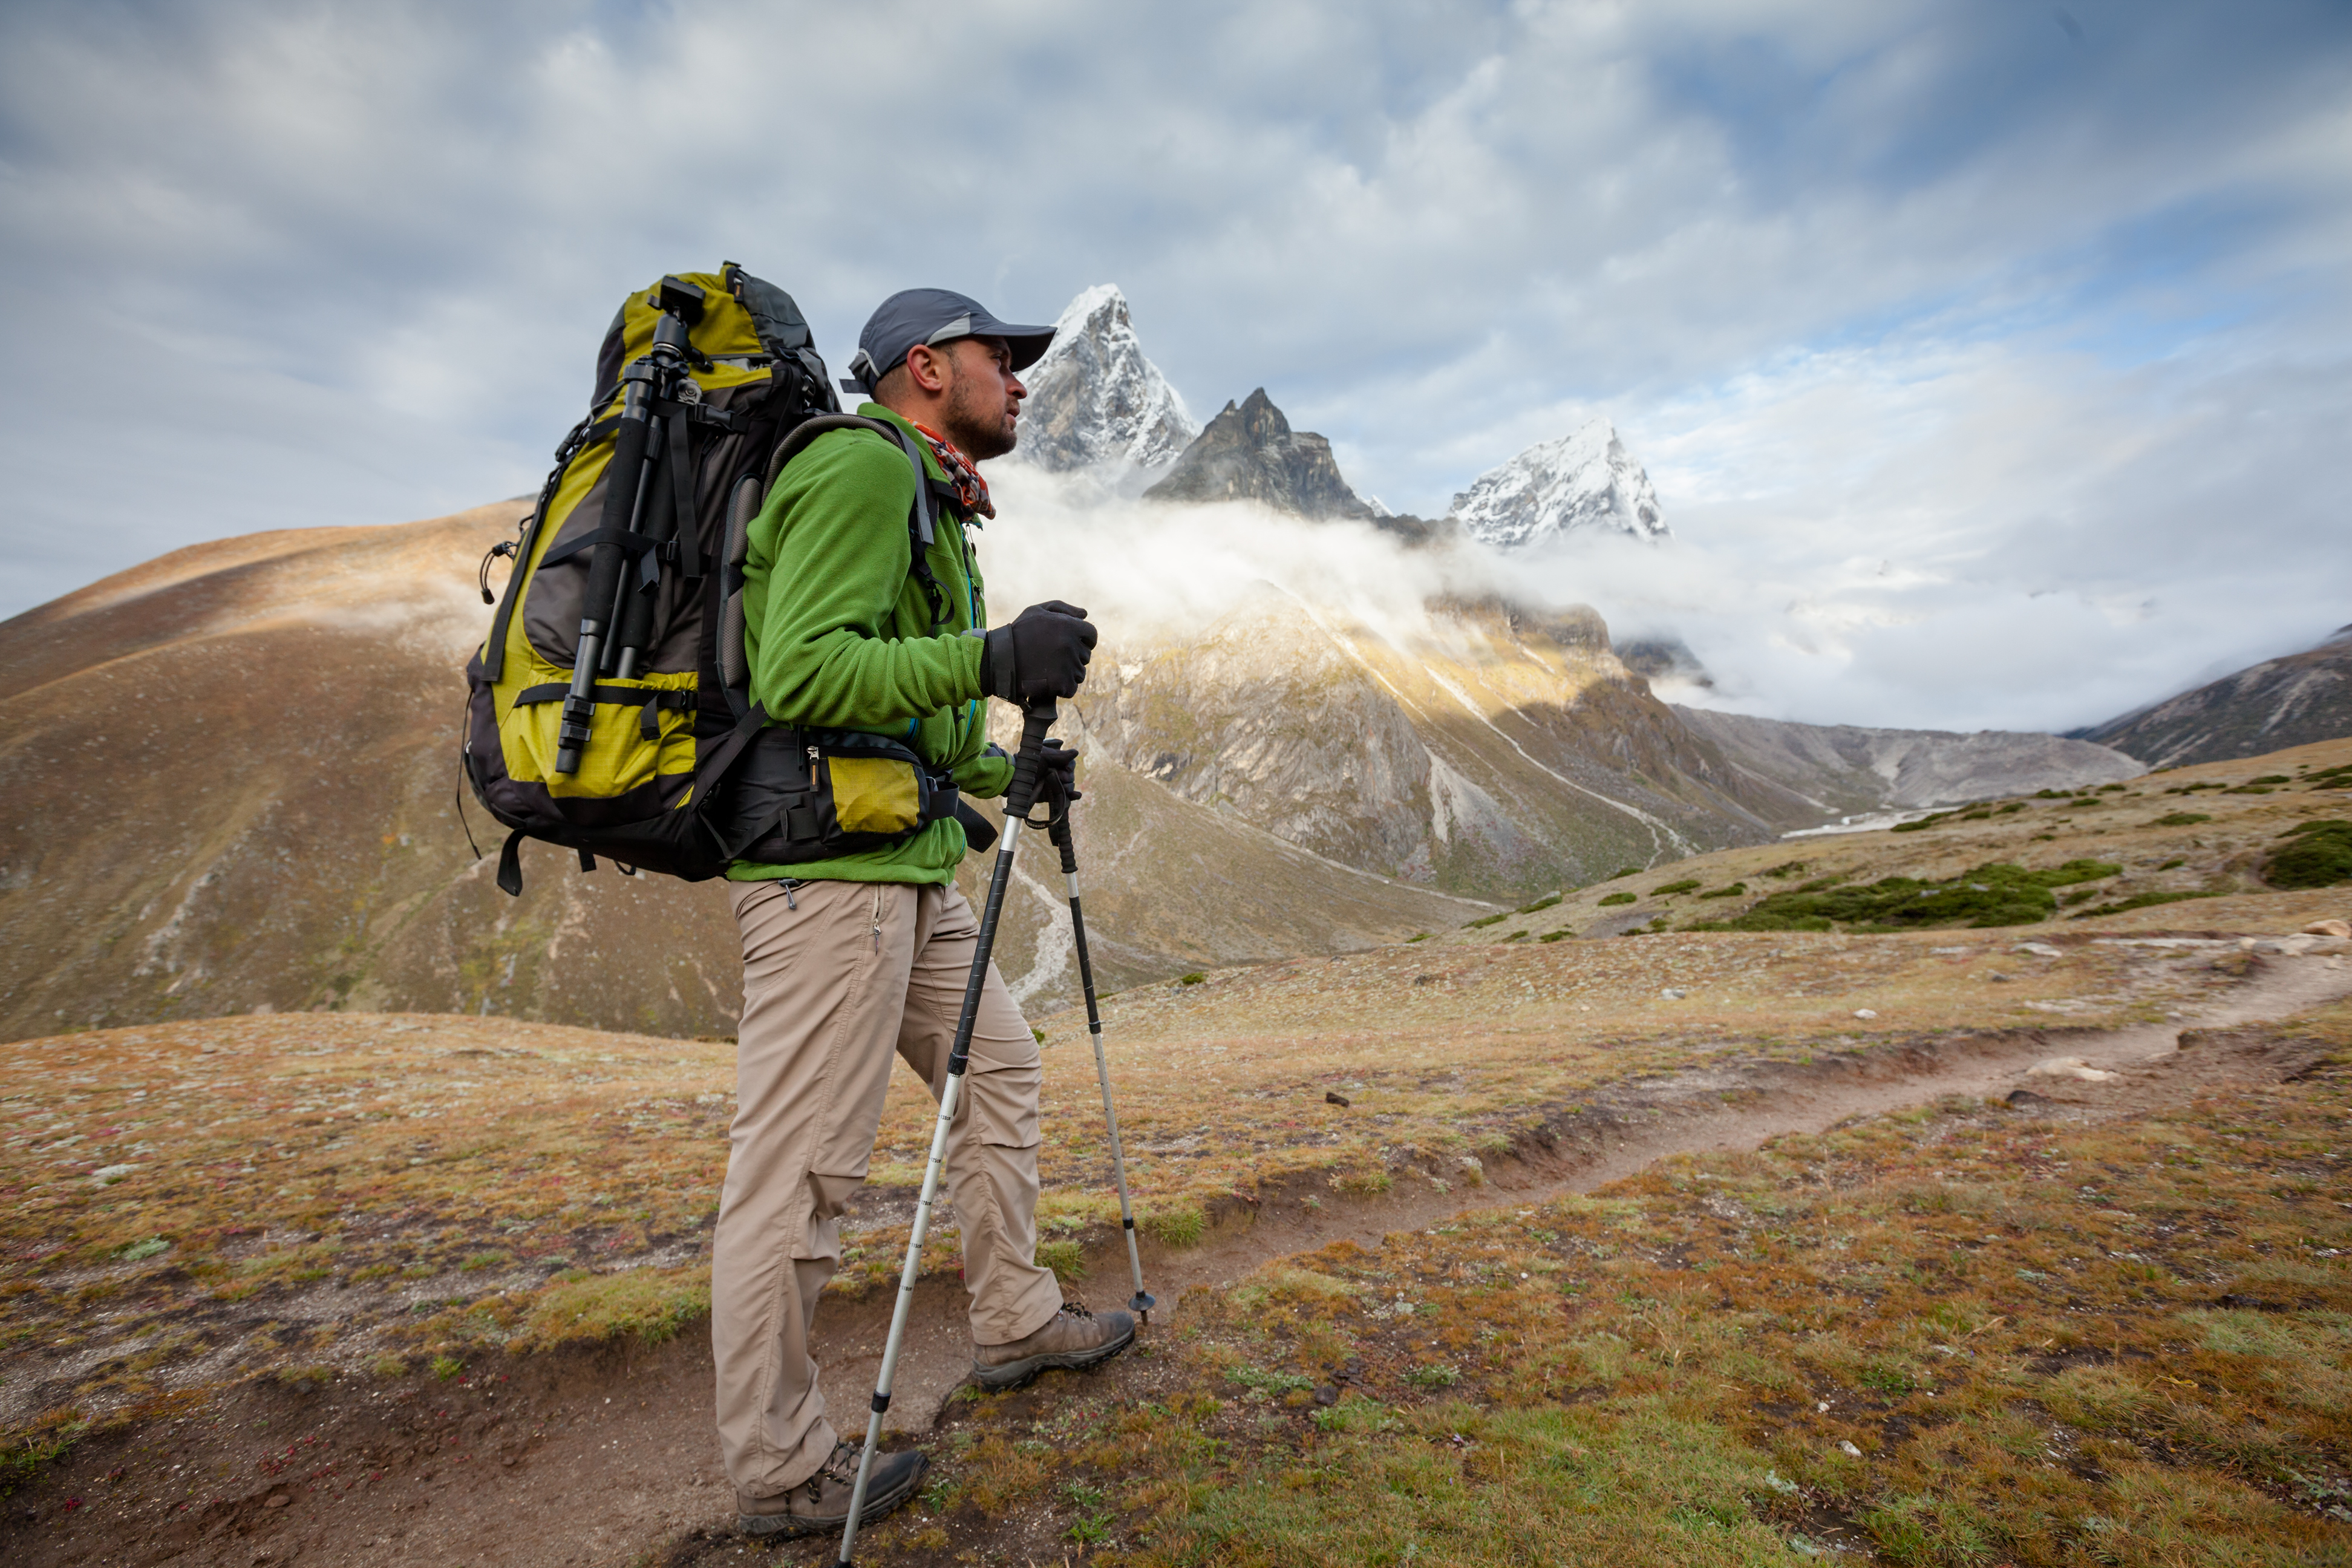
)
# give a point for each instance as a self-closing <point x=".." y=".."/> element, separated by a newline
<point x="841" y="1464"/>
<point x="1071" y="1309"/>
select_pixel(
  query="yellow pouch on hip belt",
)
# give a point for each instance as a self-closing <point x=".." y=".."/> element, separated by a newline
<point x="876" y="794"/>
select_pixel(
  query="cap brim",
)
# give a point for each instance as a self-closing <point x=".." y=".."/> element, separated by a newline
<point x="1027" y="344"/>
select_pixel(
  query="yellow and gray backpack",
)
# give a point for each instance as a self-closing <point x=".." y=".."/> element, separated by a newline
<point x="609" y="708"/>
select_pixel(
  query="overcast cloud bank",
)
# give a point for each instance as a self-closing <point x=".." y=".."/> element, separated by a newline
<point x="1991" y="361"/>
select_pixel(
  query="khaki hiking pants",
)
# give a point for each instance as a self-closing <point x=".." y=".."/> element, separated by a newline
<point x="837" y="976"/>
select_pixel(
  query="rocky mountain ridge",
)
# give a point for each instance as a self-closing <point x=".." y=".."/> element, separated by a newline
<point x="1096" y="398"/>
<point x="1584" y="482"/>
<point x="1850" y="770"/>
<point x="2267" y="707"/>
<point x="1249" y="452"/>
<point x="1490" y="750"/>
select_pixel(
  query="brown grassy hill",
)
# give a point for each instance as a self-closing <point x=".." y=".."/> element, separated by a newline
<point x="233" y="784"/>
<point x="2183" y="849"/>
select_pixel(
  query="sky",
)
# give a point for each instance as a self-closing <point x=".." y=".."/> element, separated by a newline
<point x="1992" y="359"/>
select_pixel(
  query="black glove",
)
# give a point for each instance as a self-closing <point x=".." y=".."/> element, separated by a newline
<point x="1043" y="653"/>
<point x="1057" y="772"/>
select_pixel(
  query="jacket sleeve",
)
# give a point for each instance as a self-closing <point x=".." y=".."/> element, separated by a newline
<point x="986" y="776"/>
<point x="833" y="538"/>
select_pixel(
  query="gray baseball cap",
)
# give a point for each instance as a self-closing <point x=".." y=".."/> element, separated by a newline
<point x="931" y="316"/>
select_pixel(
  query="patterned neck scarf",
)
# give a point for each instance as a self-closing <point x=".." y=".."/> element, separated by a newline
<point x="971" y="491"/>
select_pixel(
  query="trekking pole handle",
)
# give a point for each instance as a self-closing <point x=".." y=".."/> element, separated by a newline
<point x="1057" y="827"/>
<point x="1037" y="718"/>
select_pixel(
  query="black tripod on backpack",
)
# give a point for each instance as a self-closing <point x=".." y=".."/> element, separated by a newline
<point x="649" y="487"/>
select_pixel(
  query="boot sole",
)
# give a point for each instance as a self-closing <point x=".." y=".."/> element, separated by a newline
<point x="1014" y="1373"/>
<point x="787" y="1526"/>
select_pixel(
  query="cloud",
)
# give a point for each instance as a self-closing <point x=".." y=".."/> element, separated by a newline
<point x="1942" y="282"/>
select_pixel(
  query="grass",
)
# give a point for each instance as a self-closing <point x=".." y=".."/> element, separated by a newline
<point x="1966" y="1336"/>
<point x="2316" y="855"/>
<point x="2221" y="845"/>
<point x="2147" y="901"/>
<point x="1995" y="894"/>
<point x="649" y="1305"/>
<point x="466" y="1189"/>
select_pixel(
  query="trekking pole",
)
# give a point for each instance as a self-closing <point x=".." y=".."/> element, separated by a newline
<point x="1057" y="829"/>
<point x="1037" y="718"/>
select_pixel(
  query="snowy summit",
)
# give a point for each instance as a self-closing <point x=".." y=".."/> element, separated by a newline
<point x="1583" y="481"/>
<point x="1093" y="398"/>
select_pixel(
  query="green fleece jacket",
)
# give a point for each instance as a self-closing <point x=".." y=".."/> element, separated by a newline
<point x="838" y="633"/>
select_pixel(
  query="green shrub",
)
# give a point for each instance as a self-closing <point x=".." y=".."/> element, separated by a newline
<point x="1737" y="889"/>
<point x="2148" y="900"/>
<point x="1618" y="899"/>
<point x="2319" y="856"/>
<point x="1547" y="901"/>
<point x="1417" y="936"/>
<point x="1482" y="923"/>
<point x="1561" y="935"/>
<point x="1671" y="888"/>
<point x="2180" y="819"/>
<point x="1997" y="894"/>
<point x="1193" y="979"/>
<point x="1628" y="871"/>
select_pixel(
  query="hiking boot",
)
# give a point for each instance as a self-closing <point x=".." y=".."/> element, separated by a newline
<point x="820" y="1504"/>
<point x="1073" y="1338"/>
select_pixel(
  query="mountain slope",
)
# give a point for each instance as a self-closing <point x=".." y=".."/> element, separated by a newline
<point x="1833" y="769"/>
<point x="1096" y="398"/>
<point x="1249" y="452"/>
<point x="2279" y="702"/>
<point x="233" y="784"/>
<point x="1584" y="482"/>
<point x="1488" y="752"/>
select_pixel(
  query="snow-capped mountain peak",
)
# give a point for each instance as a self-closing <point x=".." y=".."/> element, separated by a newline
<point x="1096" y="398"/>
<point x="1584" y="482"/>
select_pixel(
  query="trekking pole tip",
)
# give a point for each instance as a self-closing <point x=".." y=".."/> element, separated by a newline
<point x="1142" y="1304"/>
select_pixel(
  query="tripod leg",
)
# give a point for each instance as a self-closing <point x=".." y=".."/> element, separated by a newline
<point x="1065" y="841"/>
<point x="1017" y="801"/>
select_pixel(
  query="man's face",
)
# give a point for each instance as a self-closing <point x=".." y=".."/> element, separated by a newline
<point x="984" y="399"/>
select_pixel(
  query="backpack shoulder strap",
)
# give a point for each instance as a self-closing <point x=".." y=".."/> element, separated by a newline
<point x="922" y="517"/>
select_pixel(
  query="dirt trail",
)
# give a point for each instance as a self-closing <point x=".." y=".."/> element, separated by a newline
<point x="1741" y="1105"/>
<point x="607" y="1457"/>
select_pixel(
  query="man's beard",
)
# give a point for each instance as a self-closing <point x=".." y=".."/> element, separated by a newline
<point x="978" y="431"/>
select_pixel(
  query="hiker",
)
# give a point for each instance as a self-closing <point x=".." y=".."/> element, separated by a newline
<point x="848" y="959"/>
